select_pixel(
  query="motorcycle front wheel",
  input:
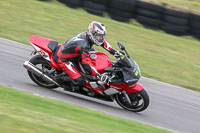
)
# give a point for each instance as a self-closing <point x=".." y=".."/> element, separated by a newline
<point x="139" y="101"/>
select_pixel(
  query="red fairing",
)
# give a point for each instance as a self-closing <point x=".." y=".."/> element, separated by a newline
<point x="100" y="61"/>
<point x="134" y="87"/>
<point x="127" y="88"/>
<point x="99" y="91"/>
<point x="41" y="42"/>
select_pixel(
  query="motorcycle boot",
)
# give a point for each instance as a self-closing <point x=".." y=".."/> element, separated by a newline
<point x="63" y="80"/>
<point x="68" y="83"/>
<point x="77" y="83"/>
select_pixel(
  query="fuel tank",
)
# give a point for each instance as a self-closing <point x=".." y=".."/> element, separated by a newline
<point x="99" y="60"/>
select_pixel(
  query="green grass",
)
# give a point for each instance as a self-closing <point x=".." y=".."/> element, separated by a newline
<point x="185" y="5"/>
<point x="161" y="56"/>
<point x="21" y="112"/>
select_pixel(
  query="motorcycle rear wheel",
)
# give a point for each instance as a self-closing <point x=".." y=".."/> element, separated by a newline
<point x="41" y="63"/>
<point x="139" y="101"/>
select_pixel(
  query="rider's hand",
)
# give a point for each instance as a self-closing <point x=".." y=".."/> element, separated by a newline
<point x="118" y="55"/>
<point x="104" y="78"/>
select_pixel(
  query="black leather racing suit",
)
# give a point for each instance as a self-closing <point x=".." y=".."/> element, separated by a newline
<point x="74" y="49"/>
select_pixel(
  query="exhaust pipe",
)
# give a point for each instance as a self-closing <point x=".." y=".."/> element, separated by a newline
<point x="32" y="68"/>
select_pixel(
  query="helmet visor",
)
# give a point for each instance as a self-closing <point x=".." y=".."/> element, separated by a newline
<point x="99" y="38"/>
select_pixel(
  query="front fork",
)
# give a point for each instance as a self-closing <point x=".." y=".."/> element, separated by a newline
<point x="126" y="96"/>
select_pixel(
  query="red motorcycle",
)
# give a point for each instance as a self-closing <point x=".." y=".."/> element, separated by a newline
<point x="124" y="74"/>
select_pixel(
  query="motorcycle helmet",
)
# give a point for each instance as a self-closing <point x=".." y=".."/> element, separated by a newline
<point x="96" y="32"/>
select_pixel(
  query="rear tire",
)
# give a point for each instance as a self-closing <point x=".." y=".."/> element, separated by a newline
<point x="39" y="60"/>
<point x="139" y="101"/>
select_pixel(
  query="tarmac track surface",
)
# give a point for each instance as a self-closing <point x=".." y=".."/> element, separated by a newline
<point x="171" y="107"/>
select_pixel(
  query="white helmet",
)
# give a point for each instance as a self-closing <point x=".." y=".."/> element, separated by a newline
<point x="96" y="32"/>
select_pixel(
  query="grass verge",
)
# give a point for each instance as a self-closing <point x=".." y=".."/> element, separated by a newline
<point x="161" y="56"/>
<point x="21" y="112"/>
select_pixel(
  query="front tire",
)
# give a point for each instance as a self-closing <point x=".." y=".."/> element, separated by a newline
<point x="139" y="101"/>
<point x="42" y="64"/>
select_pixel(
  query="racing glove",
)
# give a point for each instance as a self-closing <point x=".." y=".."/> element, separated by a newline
<point x="118" y="55"/>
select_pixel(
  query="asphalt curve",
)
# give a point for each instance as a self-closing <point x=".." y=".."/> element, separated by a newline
<point x="171" y="107"/>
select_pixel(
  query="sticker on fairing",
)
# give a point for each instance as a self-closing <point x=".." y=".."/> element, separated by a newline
<point x="136" y="73"/>
<point x="41" y="52"/>
<point x="93" y="56"/>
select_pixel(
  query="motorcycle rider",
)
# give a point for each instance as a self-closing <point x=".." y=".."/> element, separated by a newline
<point x="77" y="48"/>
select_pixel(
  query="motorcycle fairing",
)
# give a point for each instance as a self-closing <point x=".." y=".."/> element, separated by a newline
<point x="41" y="45"/>
<point x="128" y="88"/>
<point x="42" y="53"/>
<point x="134" y="87"/>
<point x="41" y="42"/>
<point x="112" y="69"/>
<point x="130" y="70"/>
<point x="109" y="91"/>
<point x="114" y="88"/>
<point x="94" y="86"/>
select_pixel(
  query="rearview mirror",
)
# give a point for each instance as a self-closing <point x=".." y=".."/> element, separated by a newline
<point x="121" y="46"/>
